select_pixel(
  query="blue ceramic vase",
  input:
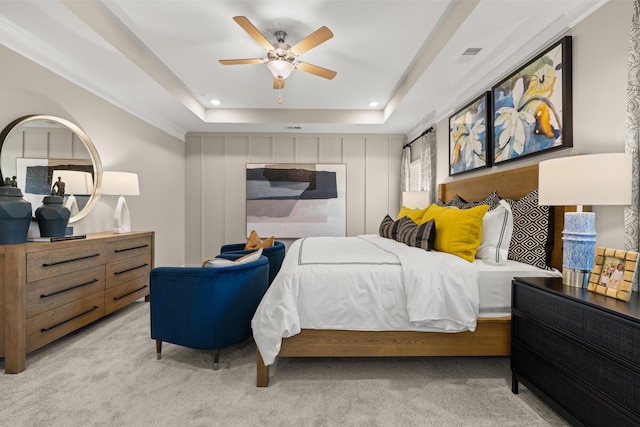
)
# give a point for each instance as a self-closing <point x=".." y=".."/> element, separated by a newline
<point x="15" y="216"/>
<point x="52" y="217"/>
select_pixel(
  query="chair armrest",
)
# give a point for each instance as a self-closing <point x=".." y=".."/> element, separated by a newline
<point x="232" y="247"/>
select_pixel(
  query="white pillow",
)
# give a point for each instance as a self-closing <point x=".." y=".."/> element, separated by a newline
<point x="497" y="229"/>
<point x="223" y="262"/>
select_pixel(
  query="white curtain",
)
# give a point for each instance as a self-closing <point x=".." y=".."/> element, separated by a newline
<point x="405" y="165"/>
<point x="632" y="138"/>
<point x="428" y="164"/>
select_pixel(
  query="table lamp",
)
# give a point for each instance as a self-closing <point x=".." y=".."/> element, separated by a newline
<point x="120" y="184"/>
<point x="583" y="180"/>
<point x="415" y="199"/>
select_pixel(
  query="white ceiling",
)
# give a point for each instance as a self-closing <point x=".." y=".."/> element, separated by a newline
<point x="159" y="59"/>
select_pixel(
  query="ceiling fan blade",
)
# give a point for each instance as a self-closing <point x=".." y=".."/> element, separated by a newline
<point x="241" y="61"/>
<point x="278" y="83"/>
<point x="253" y="32"/>
<point x="319" y="36"/>
<point x="314" y="69"/>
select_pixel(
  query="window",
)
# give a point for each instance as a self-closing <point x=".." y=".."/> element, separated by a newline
<point x="415" y="176"/>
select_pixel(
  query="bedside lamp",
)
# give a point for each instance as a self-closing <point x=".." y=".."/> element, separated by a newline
<point x="415" y="199"/>
<point x="120" y="184"/>
<point x="591" y="179"/>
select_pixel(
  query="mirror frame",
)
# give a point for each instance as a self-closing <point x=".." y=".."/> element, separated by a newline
<point x="93" y="153"/>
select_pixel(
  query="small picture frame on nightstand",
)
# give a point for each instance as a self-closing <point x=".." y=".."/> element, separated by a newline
<point x="613" y="272"/>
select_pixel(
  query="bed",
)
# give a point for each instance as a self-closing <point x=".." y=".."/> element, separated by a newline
<point x="489" y="336"/>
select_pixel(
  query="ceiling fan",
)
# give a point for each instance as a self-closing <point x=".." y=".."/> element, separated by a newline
<point x="282" y="58"/>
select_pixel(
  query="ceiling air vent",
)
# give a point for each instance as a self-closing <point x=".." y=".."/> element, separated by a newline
<point x="472" y="51"/>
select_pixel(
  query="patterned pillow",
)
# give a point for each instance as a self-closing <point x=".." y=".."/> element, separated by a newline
<point x="457" y="202"/>
<point x="532" y="238"/>
<point x="418" y="236"/>
<point x="493" y="200"/>
<point x="388" y="228"/>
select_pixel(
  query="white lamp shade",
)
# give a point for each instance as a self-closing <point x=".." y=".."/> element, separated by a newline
<point x="120" y="183"/>
<point x="591" y="179"/>
<point x="415" y="199"/>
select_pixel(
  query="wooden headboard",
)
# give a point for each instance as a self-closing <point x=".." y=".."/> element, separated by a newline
<point x="510" y="184"/>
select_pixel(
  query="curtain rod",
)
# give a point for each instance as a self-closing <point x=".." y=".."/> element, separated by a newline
<point x="418" y="137"/>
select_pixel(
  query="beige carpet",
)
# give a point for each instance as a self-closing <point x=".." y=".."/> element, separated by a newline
<point x="107" y="375"/>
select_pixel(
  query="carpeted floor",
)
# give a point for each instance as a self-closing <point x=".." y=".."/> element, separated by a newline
<point x="107" y="375"/>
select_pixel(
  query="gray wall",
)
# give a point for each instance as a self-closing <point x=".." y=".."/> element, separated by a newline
<point x="123" y="142"/>
<point x="216" y="186"/>
<point x="600" y="45"/>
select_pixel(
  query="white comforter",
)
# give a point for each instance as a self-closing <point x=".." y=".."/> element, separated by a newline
<point x="365" y="283"/>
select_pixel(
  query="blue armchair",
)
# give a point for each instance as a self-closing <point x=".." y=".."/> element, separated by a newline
<point x="274" y="253"/>
<point x="206" y="308"/>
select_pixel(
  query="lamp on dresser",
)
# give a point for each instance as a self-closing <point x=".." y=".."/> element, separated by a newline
<point x="583" y="180"/>
<point x="120" y="184"/>
<point x="415" y="199"/>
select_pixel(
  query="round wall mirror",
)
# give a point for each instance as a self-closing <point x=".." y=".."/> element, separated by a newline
<point x="44" y="155"/>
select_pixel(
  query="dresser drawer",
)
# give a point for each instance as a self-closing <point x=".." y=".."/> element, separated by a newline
<point x="53" y="324"/>
<point x="597" y="371"/>
<point x="613" y="334"/>
<point x="127" y="248"/>
<point x="125" y="293"/>
<point x="54" y="262"/>
<point x="587" y="407"/>
<point x="45" y="294"/>
<point x="128" y="269"/>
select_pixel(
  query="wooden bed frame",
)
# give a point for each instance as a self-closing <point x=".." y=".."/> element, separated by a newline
<point x="492" y="336"/>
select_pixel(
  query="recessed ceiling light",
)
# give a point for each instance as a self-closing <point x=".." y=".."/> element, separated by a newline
<point x="215" y="101"/>
<point x="373" y="103"/>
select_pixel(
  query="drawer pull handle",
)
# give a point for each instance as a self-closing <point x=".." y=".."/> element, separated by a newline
<point x="95" y="307"/>
<point x="130" y="269"/>
<point x="51" y="264"/>
<point x="130" y="249"/>
<point x="129" y="293"/>
<point x="69" y="289"/>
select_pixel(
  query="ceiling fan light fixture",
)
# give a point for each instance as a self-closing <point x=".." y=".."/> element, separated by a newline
<point x="280" y="69"/>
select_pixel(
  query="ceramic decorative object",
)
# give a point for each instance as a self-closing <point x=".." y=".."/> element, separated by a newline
<point x="15" y="216"/>
<point x="579" y="248"/>
<point x="52" y="217"/>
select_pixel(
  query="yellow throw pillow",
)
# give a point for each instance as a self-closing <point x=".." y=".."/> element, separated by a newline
<point x="254" y="242"/>
<point x="458" y="231"/>
<point x="414" y="214"/>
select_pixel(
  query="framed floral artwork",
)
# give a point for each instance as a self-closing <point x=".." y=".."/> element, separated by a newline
<point x="532" y="108"/>
<point x="613" y="272"/>
<point x="469" y="136"/>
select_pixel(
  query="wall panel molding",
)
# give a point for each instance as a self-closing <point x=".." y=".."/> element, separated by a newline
<point x="216" y="187"/>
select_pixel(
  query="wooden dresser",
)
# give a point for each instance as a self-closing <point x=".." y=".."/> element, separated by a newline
<point x="578" y="350"/>
<point x="49" y="289"/>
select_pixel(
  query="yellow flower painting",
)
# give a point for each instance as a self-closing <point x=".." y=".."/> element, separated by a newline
<point x="532" y="107"/>
<point x="468" y="136"/>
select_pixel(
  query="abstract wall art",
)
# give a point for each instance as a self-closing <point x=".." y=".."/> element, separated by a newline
<point x="293" y="200"/>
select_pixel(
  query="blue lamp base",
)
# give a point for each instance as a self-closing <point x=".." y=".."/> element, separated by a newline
<point x="579" y="248"/>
